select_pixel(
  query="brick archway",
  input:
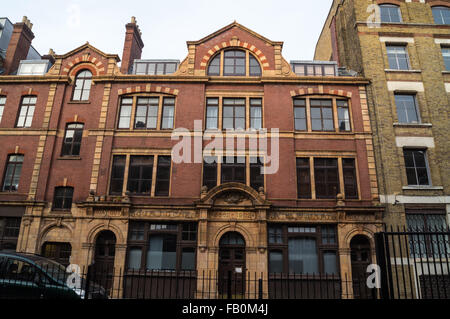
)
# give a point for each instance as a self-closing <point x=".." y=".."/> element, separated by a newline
<point x="148" y="89"/>
<point x="310" y="91"/>
<point x="91" y="63"/>
<point x="234" y="43"/>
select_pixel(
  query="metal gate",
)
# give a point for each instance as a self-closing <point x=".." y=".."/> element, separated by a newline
<point x="414" y="264"/>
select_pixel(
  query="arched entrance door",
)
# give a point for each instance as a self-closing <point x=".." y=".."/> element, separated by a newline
<point x="232" y="265"/>
<point x="361" y="258"/>
<point x="105" y="251"/>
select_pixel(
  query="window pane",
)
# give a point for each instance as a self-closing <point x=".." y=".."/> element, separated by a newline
<point x="214" y="66"/>
<point x="161" y="253"/>
<point x="330" y="263"/>
<point x="398" y="57"/>
<point x="134" y="258"/>
<point x="300" y="118"/>
<point x="303" y="257"/>
<point x="168" y="114"/>
<point x="441" y="15"/>
<point x="210" y="172"/>
<point x="275" y="262"/>
<point x="343" y="116"/>
<point x="326" y="176"/>
<point x="255" y="69"/>
<point x="351" y="186"/>
<point x="446" y="56"/>
<point x="212" y="116"/>
<point x="163" y="176"/>
<point x="390" y="13"/>
<point x="141" y="68"/>
<point x="140" y="174"/>
<point x="117" y="173"/>
<point x="416" y="167"/>
<point x="188" y="259"/>
<point x="303" y="178"/>
<point x="256" y="117"/>
<point x="125" y="116"/>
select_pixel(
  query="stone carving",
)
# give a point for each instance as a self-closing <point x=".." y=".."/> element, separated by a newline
<point x="234" y="198"/>
<point x="164" y="214"/>
<point x="301" y="216"/>
<point x="231" y="215"/>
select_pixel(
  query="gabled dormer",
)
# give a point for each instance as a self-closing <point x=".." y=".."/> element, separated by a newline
<point x="235" y="51"/>
<point x="85" y="57"/>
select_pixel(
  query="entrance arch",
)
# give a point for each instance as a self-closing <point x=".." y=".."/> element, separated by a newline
<point x="360" y="253"/>
<point x="232" y="265"/>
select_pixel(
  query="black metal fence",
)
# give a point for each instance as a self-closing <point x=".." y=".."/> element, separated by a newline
<point x="414" y="263"/>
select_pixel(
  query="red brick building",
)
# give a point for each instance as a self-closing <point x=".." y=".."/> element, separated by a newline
<point x="87" y="159"/>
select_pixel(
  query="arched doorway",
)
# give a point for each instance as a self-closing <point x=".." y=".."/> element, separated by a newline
<point x="361" y="258"/>
<point x="105" y="251"/>
<point x="232" y="265"/>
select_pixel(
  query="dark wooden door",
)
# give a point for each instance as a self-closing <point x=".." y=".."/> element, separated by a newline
<point x="232" y="266"/>
<point x="361" y="258"/>
<point x="103" y="267"/>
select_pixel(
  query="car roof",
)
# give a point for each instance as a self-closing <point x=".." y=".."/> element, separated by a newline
<point x="27" y="256"/>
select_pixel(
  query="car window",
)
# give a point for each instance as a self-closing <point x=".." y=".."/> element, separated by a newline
<point x="53" y="269"/>
<point x="20" y="270"/>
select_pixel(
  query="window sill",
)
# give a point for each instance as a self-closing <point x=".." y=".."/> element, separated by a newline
<point x="424" y="125"/>
<point x="79" y="102"/>
<point x="11" y="193"/>
<point x="402" y="71"/>
<point x="69" y="158"/>
<point x="146" y="196"/>
<point x="423" y="187"/>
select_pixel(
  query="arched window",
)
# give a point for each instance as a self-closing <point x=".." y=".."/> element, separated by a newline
<point x="214" y="66"/>
<point x="390" y="13"/>
<point x="255" y="68"/>
<point x="83" y="83"/>
<point x="235" y="63"/>
<point x="72" y="139"/>
<point x="441" y="15"/>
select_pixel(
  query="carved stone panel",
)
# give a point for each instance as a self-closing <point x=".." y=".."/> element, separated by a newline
<point x="233" y="198"/>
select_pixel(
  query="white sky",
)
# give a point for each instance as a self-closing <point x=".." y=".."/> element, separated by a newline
<point x="166" y="25"/>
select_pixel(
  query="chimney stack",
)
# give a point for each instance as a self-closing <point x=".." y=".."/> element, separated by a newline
<point x="132" y="48"/>
<point x="50" y="56"/>
<point x="19" y="45"/>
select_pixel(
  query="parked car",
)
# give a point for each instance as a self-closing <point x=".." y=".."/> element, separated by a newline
<point x="30" y="276"/>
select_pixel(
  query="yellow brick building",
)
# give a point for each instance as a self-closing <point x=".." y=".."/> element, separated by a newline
<point x="403" y="47"/>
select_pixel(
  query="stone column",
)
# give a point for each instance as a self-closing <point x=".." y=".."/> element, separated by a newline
<point x="346" y="273"/>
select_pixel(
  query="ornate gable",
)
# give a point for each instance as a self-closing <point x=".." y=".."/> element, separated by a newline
<point x="235" y="35"/>
<point x="85" y="56"/>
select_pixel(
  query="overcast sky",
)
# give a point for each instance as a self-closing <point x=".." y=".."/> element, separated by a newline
<point x="166" y="25"/>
